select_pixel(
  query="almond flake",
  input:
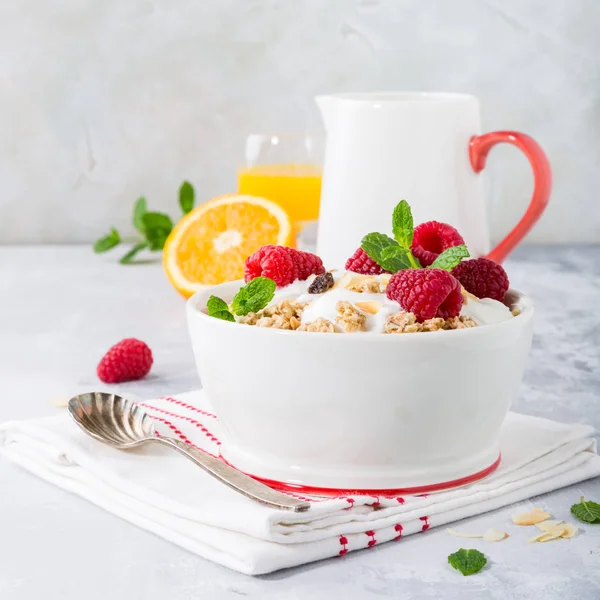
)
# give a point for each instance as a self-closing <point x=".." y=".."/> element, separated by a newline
<point x="467" y="295"/>
<point x="369" y="307"/>
<point x="344" y="281"/>
<point x="552" y="535"/>
<point x="494" y="535"/>
<point x="569" y="530"/>
<point x="463" y="535"/>
<point x="551" y="525"/>
<point x="537" y="515"/>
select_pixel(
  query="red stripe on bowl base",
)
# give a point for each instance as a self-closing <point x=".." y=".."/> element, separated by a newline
<point x="423" y="489"/>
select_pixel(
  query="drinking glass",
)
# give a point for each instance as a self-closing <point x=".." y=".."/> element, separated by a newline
<point x="286" y="168"/>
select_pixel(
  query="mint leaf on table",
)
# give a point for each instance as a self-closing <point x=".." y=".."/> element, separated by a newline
<point x="107" y="242"/>
<point x="254" y="296"/>
<point x="402" y="224"/>
<point x="140" y="208"/>
<point x="449" y="258"/>
<point x="218" y="308"/>
<point x="187" y="197"/>
<point x="587" y="511"/>
<point x="374" y="244"/>
<point x="394" y="259"/>
<point x="157" y="227"/>
<point x="468" y="561"/>
<point x="128" y="258"/>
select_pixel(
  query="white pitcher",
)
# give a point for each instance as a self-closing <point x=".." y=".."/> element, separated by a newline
<point x="422" y="147"/>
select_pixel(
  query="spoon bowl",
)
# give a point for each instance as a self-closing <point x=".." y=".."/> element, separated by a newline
<point x="111" y="419"/>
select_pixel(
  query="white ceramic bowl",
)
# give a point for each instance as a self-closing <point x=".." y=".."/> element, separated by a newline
<point x="364" y="411"/>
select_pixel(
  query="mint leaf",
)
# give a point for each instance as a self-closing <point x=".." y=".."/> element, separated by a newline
<point x="587" y="511"/>
<point x="140" y="208"/>
<point x="107" y="242"/>
<point x="157" y="227"/>
<point x="467" y="561"/>
<point x="128" y="258"/>
<point x="402" y="224"/>
<point x="218" y="308"/>
<point x="254" y="296"/>
<point x="374" y="244"/>
<point x="448" y="259"/>
<point x="187" y="197"/>
<point x="394" y="259"/>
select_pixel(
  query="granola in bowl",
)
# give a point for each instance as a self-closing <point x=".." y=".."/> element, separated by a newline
<point x="383" y="288"/>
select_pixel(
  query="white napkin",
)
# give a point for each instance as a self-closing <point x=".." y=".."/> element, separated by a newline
<point x="161" y="491"/>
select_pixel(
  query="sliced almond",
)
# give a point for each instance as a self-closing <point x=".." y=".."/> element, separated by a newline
<point x="550" y="525"/>
<point x="547" y="537"/>
<point x="372" y="307"/>
<point x="344" y="281"/>
<point x="569" y="530"/>
<point x="537" y="515"/>
<point x="463" y="535"/>
<point x="467" y="295"/>
<point x="494" y="535"/>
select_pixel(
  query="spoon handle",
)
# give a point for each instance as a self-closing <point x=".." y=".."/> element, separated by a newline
<point x="235" y="479"/>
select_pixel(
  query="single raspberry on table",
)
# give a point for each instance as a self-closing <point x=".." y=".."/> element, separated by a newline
<point x="361" y="262"/>
<point x="128" y="360"/>
<point x="281" y="264"/>
<point x="427" y="293"/>
<point x="430" y="239"/>
<point x="482" y="277"/>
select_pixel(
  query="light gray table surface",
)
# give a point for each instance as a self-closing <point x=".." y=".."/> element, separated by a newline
<point x="62" y="307"/>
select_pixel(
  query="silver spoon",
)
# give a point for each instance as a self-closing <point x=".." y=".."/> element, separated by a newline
<point x="122" y="424"/>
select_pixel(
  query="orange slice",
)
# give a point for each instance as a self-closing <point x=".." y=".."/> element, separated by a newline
<point x="211" y="243"/>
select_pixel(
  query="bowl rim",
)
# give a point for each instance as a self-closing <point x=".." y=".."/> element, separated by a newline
<point x="524" y="303"/>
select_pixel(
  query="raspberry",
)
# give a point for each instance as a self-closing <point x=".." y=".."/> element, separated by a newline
<point x="361" y="262"/>
<point x="308" y="264"/>
<point x="432" y="238"/>
<point x="283" y="265"/>
<point x="482" y="277"/>
<point x="427" y="293"/>
<point x="129" y="359"/>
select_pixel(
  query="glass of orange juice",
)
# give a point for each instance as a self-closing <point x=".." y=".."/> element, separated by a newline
<point x="286" y="168"/>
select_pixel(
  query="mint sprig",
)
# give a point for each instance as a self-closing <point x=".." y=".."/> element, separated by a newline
<point x="251" y="298"/>
<point x="587" y="511"/>
<point x="375" y="243"/>
<point x="218" y="308"/>
<point x="187" y="197"/>
<point x="449" y="258"/>
<point x="468" y="561"/>
<point x="395" y="258"/>
<point x="104" y="244"/>
<point x="394" y="254"/>
<point x="153" y="227"/>
<point x="402" y="224"/>
<point x="254" y="296"/>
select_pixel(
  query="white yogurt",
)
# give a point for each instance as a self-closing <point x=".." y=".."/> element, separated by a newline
<point x="484" y="312"/>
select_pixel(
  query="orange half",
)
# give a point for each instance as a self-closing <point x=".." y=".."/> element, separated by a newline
<point x="211" y="243"/>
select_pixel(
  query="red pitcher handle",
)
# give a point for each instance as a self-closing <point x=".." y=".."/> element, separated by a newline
<point x="480" y="145"/>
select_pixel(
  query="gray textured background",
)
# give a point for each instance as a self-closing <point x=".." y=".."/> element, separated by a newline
<point x="103" y="101"/>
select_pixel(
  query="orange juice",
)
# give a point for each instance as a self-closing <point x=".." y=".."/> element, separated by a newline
<point x="295" y="187"/>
